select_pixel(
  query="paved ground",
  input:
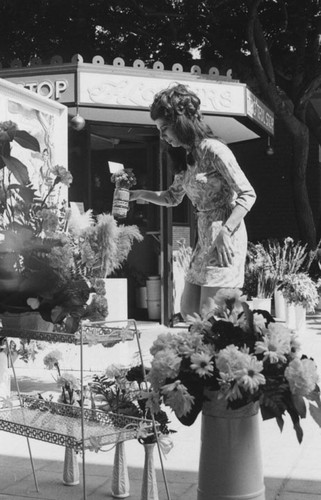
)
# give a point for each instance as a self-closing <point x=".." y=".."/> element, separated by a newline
<point x="292" y="471"/>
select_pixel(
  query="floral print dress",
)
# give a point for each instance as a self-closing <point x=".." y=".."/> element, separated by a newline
<point x="214" y="185"/>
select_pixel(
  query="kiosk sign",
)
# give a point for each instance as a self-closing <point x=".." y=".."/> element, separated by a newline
<point x="259" y="113"/>
<point x="56" y="87"/>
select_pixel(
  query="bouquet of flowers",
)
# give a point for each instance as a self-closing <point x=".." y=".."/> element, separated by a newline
<point x="299" y="288"/>
<point x="123" y="391"/>
<point x="124" y="178"/>
<point x="288" y="257"/>
<point x="67" y="382"/>
<point x="259" y="277"/>
<point x="243" y="355"/>
<point x="268" y="263"/>
<point x="51" y="256"/>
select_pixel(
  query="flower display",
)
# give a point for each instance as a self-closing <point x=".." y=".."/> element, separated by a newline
<point x="52" y="258"/>
<point x="124" y="178"/>
<point x="268" y="263"/>
<point x="299" y="288"/>
<point x="243" y="355"/>
<point x="259" y="277"/>
<point x="288" y="256"/>
<point x="67" y="382"/>
<point x="123" y="390"/>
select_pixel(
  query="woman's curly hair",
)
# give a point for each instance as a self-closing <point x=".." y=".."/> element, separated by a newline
<point x="180" y="107"/>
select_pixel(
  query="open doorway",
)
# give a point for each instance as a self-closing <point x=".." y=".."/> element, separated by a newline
<point x="135" y="148"/>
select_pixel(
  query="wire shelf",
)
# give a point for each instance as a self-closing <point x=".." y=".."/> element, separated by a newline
<point x="98" y="332"/>
<point x="61" y="424"/>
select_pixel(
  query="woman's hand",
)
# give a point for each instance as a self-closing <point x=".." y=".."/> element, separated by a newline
<point x="134" y="195"/>
<point x="224" y="247"/>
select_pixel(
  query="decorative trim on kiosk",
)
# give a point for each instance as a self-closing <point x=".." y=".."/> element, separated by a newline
<point x="119" y="62"/>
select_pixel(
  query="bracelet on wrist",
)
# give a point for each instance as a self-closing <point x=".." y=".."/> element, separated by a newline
<point x="229" y="230"/>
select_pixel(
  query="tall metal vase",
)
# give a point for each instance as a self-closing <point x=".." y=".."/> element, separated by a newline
<point x="5" y="377"/>
<point x="71" y="468"/>
<point x="149" y="489"/>
<point x="120" y="482"/>
<point x="279" y="305"/>
<point x="230" y="465"/>
<point x="300" y="318"/>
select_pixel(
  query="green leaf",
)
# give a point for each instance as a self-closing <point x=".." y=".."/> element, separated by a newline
<point x="26" y="140"/>
<point x="315" y="396"/>
<point x="26" y="192"/>
<point x="299" y="405"/>
<point x="298" y="431"/>
<point x="18" y="169"/>
<point x="280" y="423"/>
<point x="315" y="412"/>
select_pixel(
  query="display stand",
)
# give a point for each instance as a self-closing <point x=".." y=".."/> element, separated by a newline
<point x="77" y="428"/>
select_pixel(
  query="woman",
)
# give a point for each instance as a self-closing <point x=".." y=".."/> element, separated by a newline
<point x="216" y="186"/>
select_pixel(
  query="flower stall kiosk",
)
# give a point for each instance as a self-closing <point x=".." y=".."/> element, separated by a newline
<point x="108" y="107"/>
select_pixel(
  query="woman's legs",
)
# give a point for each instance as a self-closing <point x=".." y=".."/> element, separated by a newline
<point x="190" y="300"/>
<point x="194" y="297"/>
<point x="206" y="293"/>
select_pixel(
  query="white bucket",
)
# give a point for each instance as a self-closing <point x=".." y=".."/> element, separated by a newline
<point x="141" y="297"/>
<point x="153" y="288"/>
<point x="262" y="303"/>
<point x="116" y="294"/>
<point x="154" y="309"/>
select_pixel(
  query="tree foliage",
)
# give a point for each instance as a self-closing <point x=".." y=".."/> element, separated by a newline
<point x="273" y="45"/>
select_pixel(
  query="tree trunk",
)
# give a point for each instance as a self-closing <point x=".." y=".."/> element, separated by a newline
<point x="302" y="205"/>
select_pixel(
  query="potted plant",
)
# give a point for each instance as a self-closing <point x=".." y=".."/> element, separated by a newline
<point x="301" y="295"/>
<point x="287" y="257"/>
<point x="259" y="277"/>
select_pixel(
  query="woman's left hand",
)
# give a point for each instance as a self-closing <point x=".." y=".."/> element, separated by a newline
<point x="224" y="247"/>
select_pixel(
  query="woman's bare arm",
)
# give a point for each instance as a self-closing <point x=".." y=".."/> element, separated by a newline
<point x="156" y="197"/>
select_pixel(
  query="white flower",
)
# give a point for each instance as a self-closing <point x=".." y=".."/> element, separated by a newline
<point x="68" y="381"/>
<point x="51" y="360"/>
<point x="162" y="342"/>
<point x="275" y="344"/>
<point x="302" y="376"/>
<point x="197" y="324"/>
<point x="295" y="345"/>
<point x="250" y="377"/>
<point x="165" y="365"/>
<point x="230" y="360"/>
<point x="238" y="369"/>
<point x="259" y="322"/>
<point x="202" y="363"/>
